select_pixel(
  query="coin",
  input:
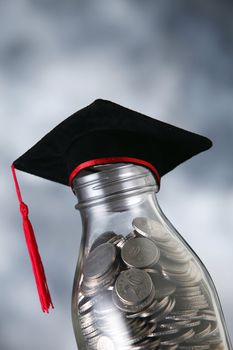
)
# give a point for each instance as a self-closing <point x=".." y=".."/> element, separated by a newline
<point x="187" y="279"/>
<point x="194" y="347"/>
<point x="100" y="284"/>
<point x="85" y="304"/>
<point x="179" y="339"/>
<point x="103" y="238"/>
<point x="202" y="330"/>
<point x="100" y="270"/>
<point x="140" y="253"/>
<point x="143" y="312"/>
<point x="188" y="291"/>
<point x="174" y="251"/>
<point x="99" y="260"/>
<point x="163" y="287"/>
<point x="89" y="330"/>
<point x="133" y="286"/>
<point x="118" y="241"/>
<point x="173" y="324"/>
<point x="173" y="267"/>
<point x="151" y="229"/>
<point x="132" y="309"/>
<point x="164" y="333"/>
<point x="132" y="234"/>
<point x="163" y="312"/>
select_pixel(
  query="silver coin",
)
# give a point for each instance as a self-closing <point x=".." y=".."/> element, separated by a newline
<point x="132" y="234"/>
<point x="158" y="316"/>
<point x="137" y="339"/>
<point x="171" y="246"/>
<point x="214" y="342"/>
<point x="145" y="312"/>
<point x="178" y="259"/>
<point x="99" y="285"/>
<point x="86" y="315"/>
<point x="205" y="317"/>
<point x="89" y="330"/>
<point x="103" y="238"/>
<point x="151" y="229"/>
<point x="151" y="327"/>
<point x="120" y="243"/>
<point x="99" y="260"/>
<point x="192" y="324"/>
<point x="85" y="304"/>
<point x="164" y="333"/>
<point x="171" y="266"/>
<point x="92" y="292"/>
<point x="174" y="251"/>
<point x="177" y="315"/>
<point x="152" y="270"/>
<point x="132" y="309"/>
<point x="162" y="286"/>
<point x="137" y="323"/>
<point x="210" y="312"/>
<point x="147" y="345"/>
<point x="189" y="278"/>
<point x="193" y="298"/>
<point x="179" y="325"/>
<point x="162" y="303"/>
<point x="188" y="291"/>
<point x="202" y="331"/>
<point x="133" y="286"/>
<point x="93" y="334"/>
<point x="179" y="339"/>
<point x="214" y="331"/>
<point x="94" y="282"/>
<point x="170" y="347"/>
<point x="191" y="306"/>
<point x="141" y="333"/>
<point x="194" y="347"/>
<point x="140" y="253"/>
<point x="87" y="320"/>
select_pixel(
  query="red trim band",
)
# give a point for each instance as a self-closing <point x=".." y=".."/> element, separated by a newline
<point x="105" y="160"/>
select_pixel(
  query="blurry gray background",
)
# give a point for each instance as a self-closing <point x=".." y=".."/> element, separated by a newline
<point x="171" y="60"/>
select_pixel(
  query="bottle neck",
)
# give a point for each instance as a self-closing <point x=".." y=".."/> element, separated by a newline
<point x="113" y="195"/>
<point x="109" y="183"/>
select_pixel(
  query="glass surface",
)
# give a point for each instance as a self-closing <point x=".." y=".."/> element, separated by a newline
<point x="138" y="285"/>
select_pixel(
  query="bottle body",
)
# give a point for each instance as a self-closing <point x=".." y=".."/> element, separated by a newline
<point x="138" y="285"/>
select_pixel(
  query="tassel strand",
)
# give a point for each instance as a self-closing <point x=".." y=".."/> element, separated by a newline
<point x="37" y="266"/>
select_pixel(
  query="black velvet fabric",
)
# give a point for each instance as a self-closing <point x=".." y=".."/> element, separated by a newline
<point x="107" y="129"/>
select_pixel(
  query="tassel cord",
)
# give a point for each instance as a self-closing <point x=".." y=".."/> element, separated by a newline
<point x="37" y="266"/>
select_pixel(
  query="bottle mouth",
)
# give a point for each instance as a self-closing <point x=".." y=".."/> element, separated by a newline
<point x="100" y="182"/>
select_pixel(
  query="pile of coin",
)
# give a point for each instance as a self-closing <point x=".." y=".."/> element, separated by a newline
<point x="145" y="291"/>
<point x="100" y="270"/>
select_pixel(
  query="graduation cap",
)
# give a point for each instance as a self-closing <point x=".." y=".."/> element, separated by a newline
<point x="100" y="133"/>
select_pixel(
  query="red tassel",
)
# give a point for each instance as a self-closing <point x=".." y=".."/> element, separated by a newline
<point x="36" y="262"/>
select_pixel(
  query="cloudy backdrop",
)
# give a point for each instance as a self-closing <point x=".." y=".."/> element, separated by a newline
<point x="171" y="60"/>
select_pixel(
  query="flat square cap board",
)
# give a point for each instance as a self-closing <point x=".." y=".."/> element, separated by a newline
<point x="102" y="132"/>
<point x="106" y="129"/>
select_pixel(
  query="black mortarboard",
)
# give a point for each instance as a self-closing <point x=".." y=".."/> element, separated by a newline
<point x="102" y="132"/>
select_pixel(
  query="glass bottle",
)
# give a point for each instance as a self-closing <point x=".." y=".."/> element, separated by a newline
<point x="138" y="284"/>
